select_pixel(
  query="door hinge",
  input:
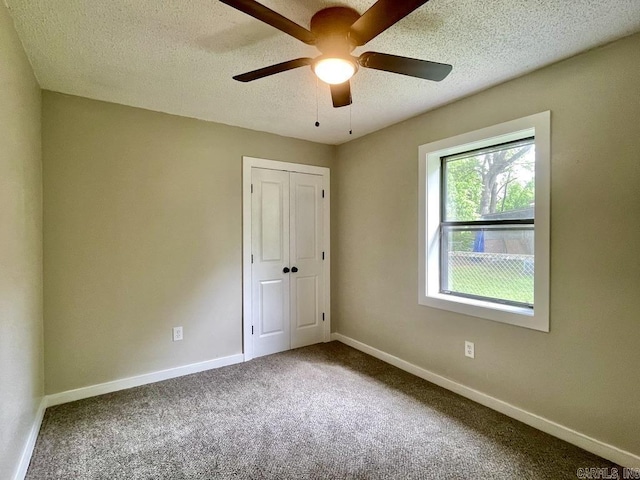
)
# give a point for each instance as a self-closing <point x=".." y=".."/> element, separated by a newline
<point x="323" y="255"/>
<point x="323" y="316"/>
<point x="251" y="329"/>
<point x="252" y="258"/>
<point x="252" y="188"/>
<point x="323" y="193"/>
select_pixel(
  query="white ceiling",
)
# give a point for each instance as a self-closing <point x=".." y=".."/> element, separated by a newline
<point x="178" y="56"/>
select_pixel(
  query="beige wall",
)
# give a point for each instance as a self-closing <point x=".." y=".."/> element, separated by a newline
<point x="143" y="232"/>
<point x="584" y="373"/>
<point x="21" y="369"/>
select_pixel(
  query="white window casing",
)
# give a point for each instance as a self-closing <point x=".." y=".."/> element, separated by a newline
<point x="537" y="126"/>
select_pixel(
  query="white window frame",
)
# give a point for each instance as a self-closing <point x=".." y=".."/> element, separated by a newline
<point x="429" y="165"/>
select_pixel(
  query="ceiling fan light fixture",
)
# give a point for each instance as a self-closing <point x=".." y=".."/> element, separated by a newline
<point x="336" y="32"/>
<point x="334" y="70"/>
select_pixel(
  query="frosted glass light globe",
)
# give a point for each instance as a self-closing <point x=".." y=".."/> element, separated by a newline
<point x="334" y="70"/>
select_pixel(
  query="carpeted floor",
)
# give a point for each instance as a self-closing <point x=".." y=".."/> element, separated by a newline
<point x="325" y="411"/>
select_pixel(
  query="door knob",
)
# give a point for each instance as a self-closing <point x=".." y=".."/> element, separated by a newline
<point x="294" y="269"/>
<point x="285" y="270"/>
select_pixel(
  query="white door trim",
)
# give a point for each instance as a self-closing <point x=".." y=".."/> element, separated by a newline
<point x="247" y="164"/>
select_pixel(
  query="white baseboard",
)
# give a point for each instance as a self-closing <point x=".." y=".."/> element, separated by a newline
<point x="124" y="383"/>
<point x="25" y="459"/>
<point x="614" y="454"/>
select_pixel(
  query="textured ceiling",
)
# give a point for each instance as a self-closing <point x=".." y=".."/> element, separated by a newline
<point x="178" y="56"/>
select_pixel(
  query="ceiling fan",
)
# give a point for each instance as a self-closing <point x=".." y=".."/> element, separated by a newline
<point x="336" y="32"/>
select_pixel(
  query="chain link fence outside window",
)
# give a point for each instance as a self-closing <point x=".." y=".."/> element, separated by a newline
<point x="502" y="276"/>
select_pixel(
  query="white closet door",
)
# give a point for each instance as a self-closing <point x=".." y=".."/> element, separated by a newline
<point x="306" y="245"/>
<point x="270" y="286"/>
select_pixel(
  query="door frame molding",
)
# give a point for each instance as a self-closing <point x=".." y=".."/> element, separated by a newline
<point x="247" y="164"/>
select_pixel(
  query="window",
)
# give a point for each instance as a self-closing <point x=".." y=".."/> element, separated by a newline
<point x="484" y="223"/>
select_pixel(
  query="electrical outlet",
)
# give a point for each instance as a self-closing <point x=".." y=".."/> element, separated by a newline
<point x="177" y="334"/>
<point x="469" y="349"/>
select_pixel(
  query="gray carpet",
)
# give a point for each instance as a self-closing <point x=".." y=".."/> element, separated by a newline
<point x="326" y="411"/>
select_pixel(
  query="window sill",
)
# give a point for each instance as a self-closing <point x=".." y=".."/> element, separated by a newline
<point x="510" y="314"/>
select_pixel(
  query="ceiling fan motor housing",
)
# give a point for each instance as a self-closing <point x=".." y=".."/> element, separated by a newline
<point x="331" y="28"/>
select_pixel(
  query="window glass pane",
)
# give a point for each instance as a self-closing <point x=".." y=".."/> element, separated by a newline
<point x="495" y="263"/>
<point x="490" y="184"/>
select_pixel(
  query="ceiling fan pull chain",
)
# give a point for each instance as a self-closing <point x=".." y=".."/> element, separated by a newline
<point x="317" y="107"/>
<point x="350" y="123"/>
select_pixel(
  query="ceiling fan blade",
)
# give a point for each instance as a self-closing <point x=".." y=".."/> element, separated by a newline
<point x="405" y="66"/>
<point x="268" y="16"/>
<point x="273" y="69"/>
<point x="341" y="94"/>
<point x="381" y="16"/>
